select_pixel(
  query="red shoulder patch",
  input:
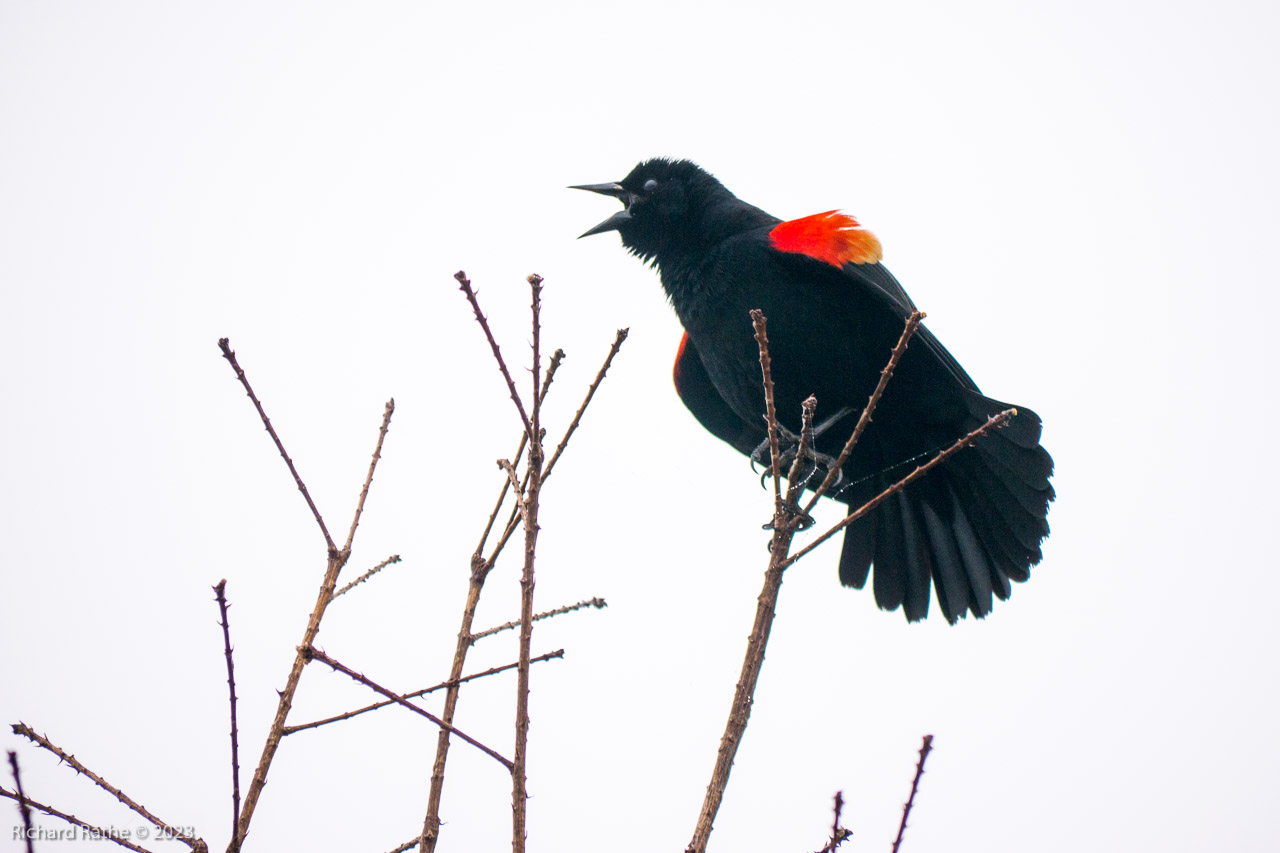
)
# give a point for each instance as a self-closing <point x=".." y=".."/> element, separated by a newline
<point x="832" y="237"/>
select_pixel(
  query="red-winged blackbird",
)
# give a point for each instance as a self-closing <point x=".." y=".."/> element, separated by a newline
<point x="834" y="313"/>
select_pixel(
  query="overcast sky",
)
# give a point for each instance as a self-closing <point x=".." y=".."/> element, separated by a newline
<point x="1081" y="195"/>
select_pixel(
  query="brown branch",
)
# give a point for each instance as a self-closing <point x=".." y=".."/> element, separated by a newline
<point x="556" y="358"/>
<point x="784" y="529"/>
<point x="23" y="808"/>
<point x="394" y="558"/>
<point x="408" y="845"/>
<point x="337" y="559"/>
<point x="387" y="412"/>
<point x="925" y="747"/>
<point x="316" y="654"/>
<point x="838" y="833"/>
<point x="96" y="831"/>
<point x="513" y="479"/>
<point x="994" y="422"/>
<point x="794" y="482"/>
<point x="225" y="345"/>
<point x="598" y="603"/>
<point x="528" y="503"/>
<point x="619" y="337"/>
<point x="288" y="730"/>
<point x="493" y="344"/>
<point x="75" y="764"/>
<point x="220" y="594"/>
<point x="770" y="412"/>
<point x="909" y="329"/>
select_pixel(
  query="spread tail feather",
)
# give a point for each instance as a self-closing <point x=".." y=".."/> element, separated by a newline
<point x="967" y="529"/>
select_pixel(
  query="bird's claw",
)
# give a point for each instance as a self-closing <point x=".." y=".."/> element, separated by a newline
<point x="803" y="520"/>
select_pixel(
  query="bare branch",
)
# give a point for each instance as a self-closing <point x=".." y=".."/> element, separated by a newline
<point x="795" y="484"/>
<point x="23" y="808"/>
<point x="591" y="392"/>
<point x="784" y="529"/>
<point x="925" y="747"/>
<point x="514" y="480"/>
<point x="909" y="329"/>
<point x="220" y="594"/>
<point x="598" y="603"/>
<point x="76" y="765"/>
<point x="225" y="345"/>
<point x="373" y="464"/>
<point x="493" y="344"/>
<point x="288" y="730"/>
<point x="838" y="833"/>
<point x="96" y="831"/>
<point x="394" y="558"/>
<point x="528" y="503"/>
<point x="770" y="412"/>
<point x="316" y="654"/>
<point x="337" y="559"/>
<point x="993" y="423"/>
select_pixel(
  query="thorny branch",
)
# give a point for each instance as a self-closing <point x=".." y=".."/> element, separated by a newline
<point x="838" y="833"/>
<point x="95" y="831"/>
<point x="23" y="808"/>
<point x="598" y="603"/>
<point x="394" y="558"/>
<point x="224" y="344"/>
<point x="75" y="764"/>
<point x="336" y="560"/>
<point x="481" y="566"/>
<point x="220" y="593"/>
<point x="493" y="344"/>
<point x="288" y="730"/>
<point x="925" y="747"/>
<point x="316" y="654"/>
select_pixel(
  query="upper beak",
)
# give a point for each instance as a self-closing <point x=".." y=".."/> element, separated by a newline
<point x="613" y="223"/>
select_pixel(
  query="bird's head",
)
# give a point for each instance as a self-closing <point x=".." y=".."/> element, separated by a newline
<point x="665" y="207"/>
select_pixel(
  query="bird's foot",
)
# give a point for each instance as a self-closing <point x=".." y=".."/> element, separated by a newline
<point x="803" y="520"/>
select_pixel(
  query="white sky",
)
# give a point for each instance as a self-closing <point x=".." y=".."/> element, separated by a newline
<point x="1082" y="196"/>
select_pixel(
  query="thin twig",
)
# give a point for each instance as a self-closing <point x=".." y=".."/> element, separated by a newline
<point x="619" y="337"/>
<point x="408" y="845"/>
<point x="220" y="593"/>
<point x="598" y="603"/>
<point x="993" y="423"/>
<point x="909" y="329"/>
<point x="225" y="345"/>
<point x="795" y="484"/>
<point x="75" y="764"/>
<point x="915" y="784"/>
<point x="288" y="730"/>
<point x="513" y="479"/>
<point x="387" y="412"/>
<point x="556" y="358"/>
<point x="493" y="344"/>
<point x="23" y="808"/>
<point x="784" y="529"/>
<point x="316" y="654"/>
<point x="337" y="559"/>
<point x="838" y="833"/>
<point x="96" y="832"/>
<point x="770" y="412"/>
<point x="394" y="558"/>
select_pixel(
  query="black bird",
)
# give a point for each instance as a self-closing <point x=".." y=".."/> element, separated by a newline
<point x="967" y="528"/>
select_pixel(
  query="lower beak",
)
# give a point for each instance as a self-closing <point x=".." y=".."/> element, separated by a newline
<point x="613" y="223"/>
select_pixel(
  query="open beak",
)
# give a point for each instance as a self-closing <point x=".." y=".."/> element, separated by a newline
<point x="613" y="223"/>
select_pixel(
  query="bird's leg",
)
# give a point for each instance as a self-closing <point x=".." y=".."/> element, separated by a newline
<point x="788" y="447"/>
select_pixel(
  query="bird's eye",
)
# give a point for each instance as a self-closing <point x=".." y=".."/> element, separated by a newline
<point x="650" y="185"/>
